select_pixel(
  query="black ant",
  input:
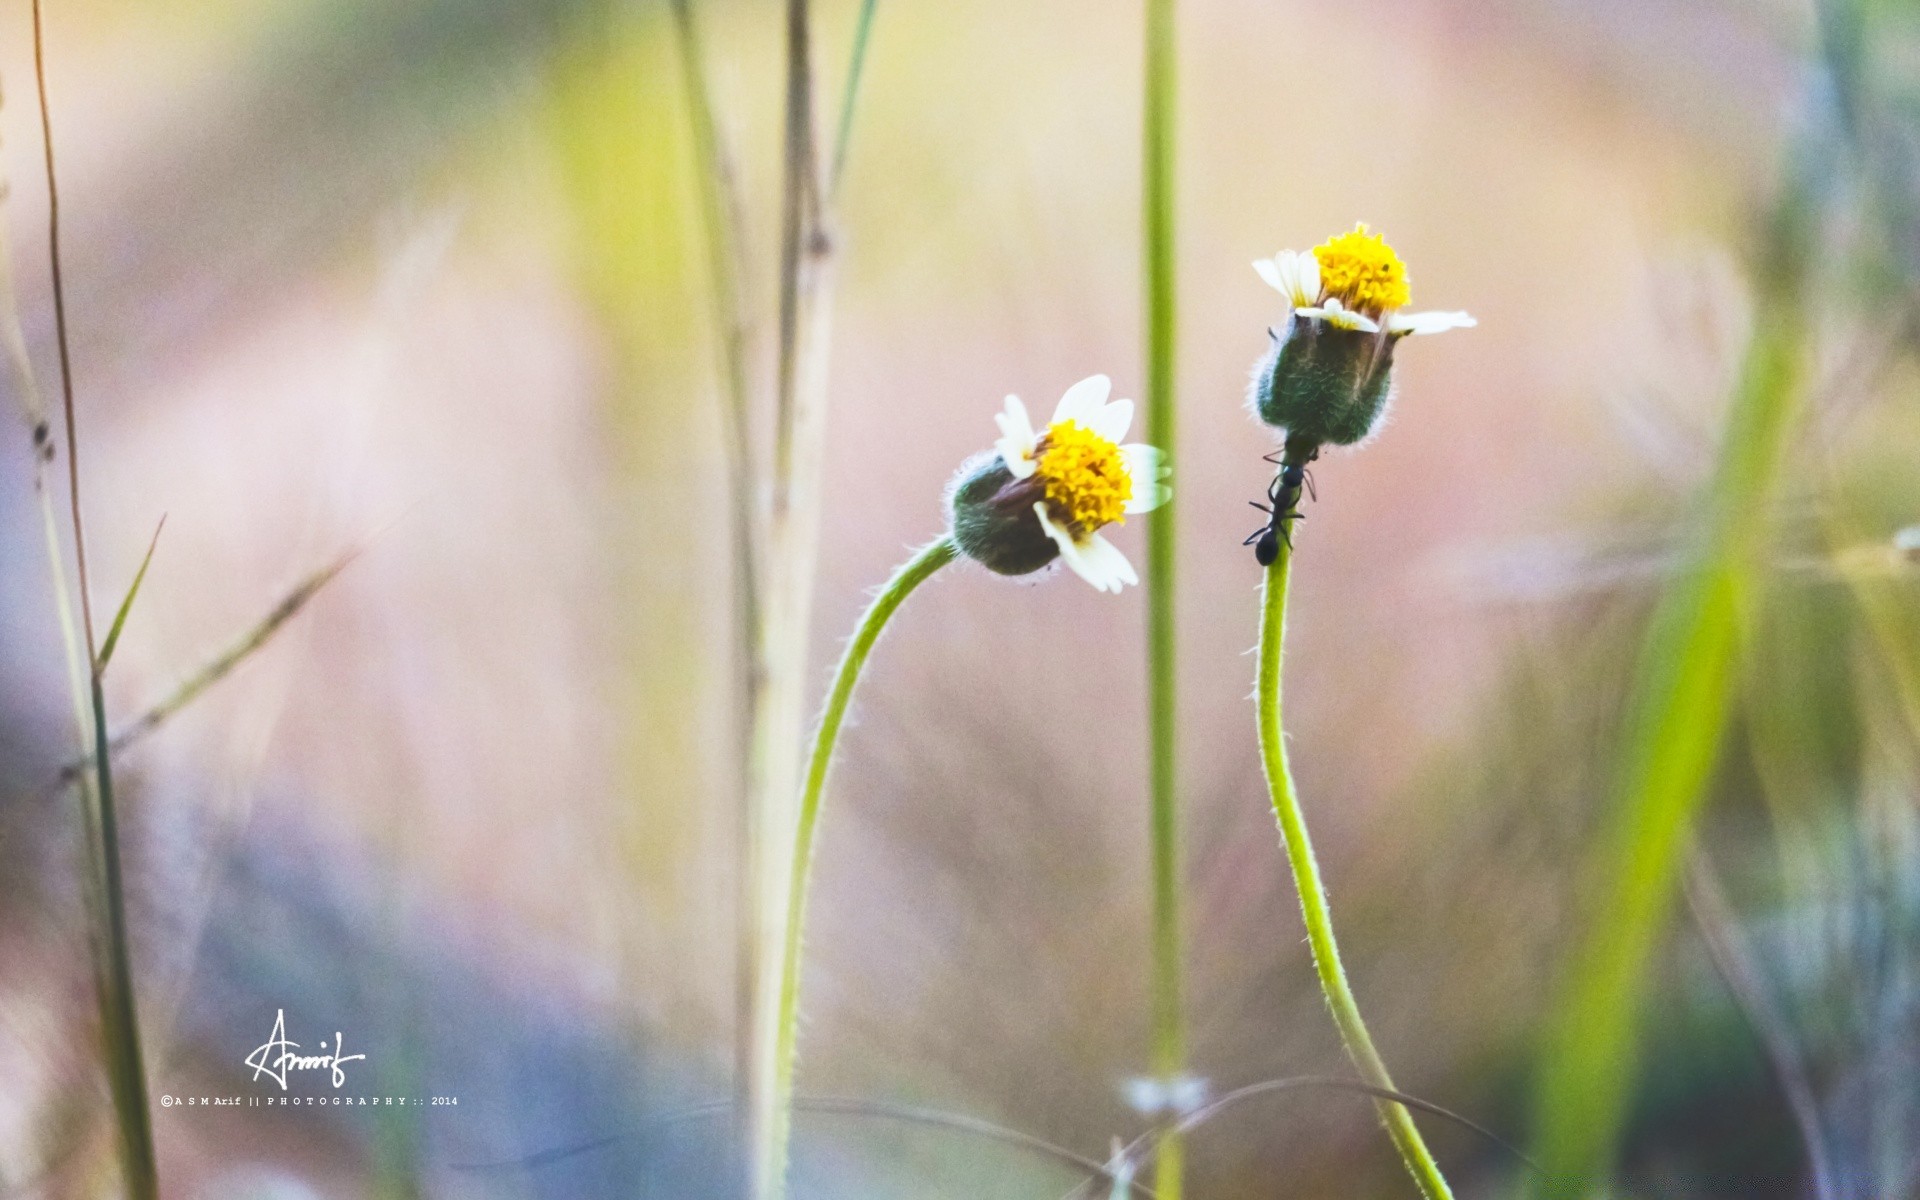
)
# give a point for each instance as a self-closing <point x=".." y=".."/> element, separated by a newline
<point x="1283" y="495"/>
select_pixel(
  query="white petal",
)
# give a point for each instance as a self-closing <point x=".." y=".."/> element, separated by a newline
<point x="1017" y="440"/>
<point x="1095" y="559"/>
<point x="1147" y="467"/>
<point x="1429" y="322"/>
<point x="1272" y="275"/>
<point x="1293" y="274"/>
<point x="1111" y="421"/>
<point x="1104" y="559"/>
<point x="1147" y="497"/>
<point x="1307" y="273"/>
<point x="1341" y="317"/>
<point x="1083" y="400"/>
<point x="1145" y="462"/>
<point x="1068" y="549"/>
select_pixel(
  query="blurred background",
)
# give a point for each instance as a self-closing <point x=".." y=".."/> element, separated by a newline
<point x="423" y="281"/>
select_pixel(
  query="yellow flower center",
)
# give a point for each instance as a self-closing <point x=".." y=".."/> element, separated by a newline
<point x="1359" y="267"/>
<point x="1086" y="480"/>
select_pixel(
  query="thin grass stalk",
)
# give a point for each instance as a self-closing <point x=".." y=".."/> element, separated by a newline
<point x="836" y="1106"/>
<point x="850" y="95"/>
<point x="1168" y="950"/>
<point x="126" y="1065"/>
<point x="1146" y="1146"/>
<point x="1313" y="896"/>
<point x="916" y="571"/>
<point x="793" y="532"/>
<point x="724" y="224"/>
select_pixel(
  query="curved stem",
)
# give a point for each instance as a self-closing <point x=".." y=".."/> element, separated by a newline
<point x="1313" y="896"/>
<point x="910" y="576"/>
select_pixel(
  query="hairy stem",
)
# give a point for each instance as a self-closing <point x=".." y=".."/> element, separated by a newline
<point x="1313" y="896"/>
<point x="916" y="571"/>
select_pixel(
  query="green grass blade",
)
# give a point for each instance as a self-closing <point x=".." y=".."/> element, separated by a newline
<point x="126" y="605"/>
<point x="850" y="95"/>
<point x="1682" y="694"/>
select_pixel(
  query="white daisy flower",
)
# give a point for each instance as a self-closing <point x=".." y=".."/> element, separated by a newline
<point x="1353" y="281"/>
<point x="1075" y="477"/>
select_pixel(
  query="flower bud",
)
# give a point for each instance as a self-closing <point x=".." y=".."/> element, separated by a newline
<point x="991" y="514"/>
<point x="1324" y="383"/>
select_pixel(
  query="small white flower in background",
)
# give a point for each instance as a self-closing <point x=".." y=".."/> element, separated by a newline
<point x="1046" y="494"/>
<point x="1906" y="542"/>
<point x="1177" y="1096"/>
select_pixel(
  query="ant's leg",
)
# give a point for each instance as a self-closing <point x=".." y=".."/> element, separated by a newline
<point x="1312" y="491"/>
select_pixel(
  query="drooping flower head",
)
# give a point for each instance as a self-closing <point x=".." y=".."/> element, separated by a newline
<point x="1328" y="373"/>
<point x="1046" y="494"/>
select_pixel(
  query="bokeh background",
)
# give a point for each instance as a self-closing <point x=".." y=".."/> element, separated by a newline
<point x="424" y="281"/>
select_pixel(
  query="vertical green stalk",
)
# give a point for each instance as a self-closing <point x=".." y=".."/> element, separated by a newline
<point x="126" y="1065"/>
<point x="1169" y="1049"/>
<point x="916" y="571"/>
<point x="1313" y="896"/>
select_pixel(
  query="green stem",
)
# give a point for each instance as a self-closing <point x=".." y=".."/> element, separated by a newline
<point x="126" y="1064"/>
<point x="862" y="34"/>
<point x="915" y="572"/>
<point x="1313" y="896"/>
<point x="1169" y="1048"/>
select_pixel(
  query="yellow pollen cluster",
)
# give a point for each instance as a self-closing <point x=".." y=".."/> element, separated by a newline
<point x="1361" y="269"/>
<point x="1086" y="481"/>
